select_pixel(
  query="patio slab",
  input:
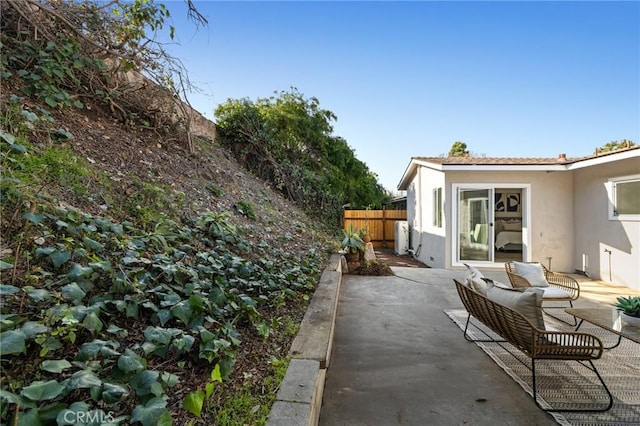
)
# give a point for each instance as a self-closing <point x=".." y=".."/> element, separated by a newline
<point x="398" y="359"/>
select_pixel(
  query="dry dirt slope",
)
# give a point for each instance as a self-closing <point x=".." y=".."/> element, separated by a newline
<point x="209" y="180"/>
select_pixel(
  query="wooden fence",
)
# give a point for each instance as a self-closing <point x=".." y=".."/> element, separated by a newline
<point x="379" y="223"/>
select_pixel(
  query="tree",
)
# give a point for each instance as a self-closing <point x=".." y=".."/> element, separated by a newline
<point x="615" y="145"/>
<point x="288" y="141"/>
<point x="63" y="51"/>
<point x="458" y="149"/>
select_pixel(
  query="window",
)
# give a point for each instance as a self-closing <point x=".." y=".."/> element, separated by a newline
<point x="624" y="198"/>
<point x="437" y="207"/>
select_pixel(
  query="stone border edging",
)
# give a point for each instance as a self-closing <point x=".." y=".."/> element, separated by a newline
<point x="299" y="398"/>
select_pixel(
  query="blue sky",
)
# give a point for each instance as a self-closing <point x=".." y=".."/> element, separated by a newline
<point x="406" y="79"/>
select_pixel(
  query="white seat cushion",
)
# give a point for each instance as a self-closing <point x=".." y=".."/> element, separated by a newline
<point x="552" y="292"/>
<point x="497" y="283"/>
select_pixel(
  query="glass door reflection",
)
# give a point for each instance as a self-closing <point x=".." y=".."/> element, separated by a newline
<point x="474" y="218"/>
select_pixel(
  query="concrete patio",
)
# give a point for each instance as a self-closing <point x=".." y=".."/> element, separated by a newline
<point x="396" y="358"/>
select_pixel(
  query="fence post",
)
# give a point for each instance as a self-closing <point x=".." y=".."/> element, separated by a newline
<point x="384" y="226"/>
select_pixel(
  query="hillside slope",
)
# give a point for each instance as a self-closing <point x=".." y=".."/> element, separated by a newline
<point x="139" y="176"/>
<point x="210" y="180"/>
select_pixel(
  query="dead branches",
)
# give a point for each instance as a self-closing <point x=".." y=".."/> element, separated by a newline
<point x="138" y="80"/>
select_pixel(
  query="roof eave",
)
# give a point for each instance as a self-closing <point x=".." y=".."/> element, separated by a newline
<point x="416" y="162"/>
<point x="506" y="167"/>
<point x="410" y="172"/>
<point x="593" y="161"/>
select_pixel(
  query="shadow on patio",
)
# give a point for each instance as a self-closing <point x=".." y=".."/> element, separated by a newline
<point x="397" y="358"/>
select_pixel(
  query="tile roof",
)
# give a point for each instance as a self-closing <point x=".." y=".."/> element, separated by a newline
<point x="561" y="159"/>
<point x="489" y="160"/>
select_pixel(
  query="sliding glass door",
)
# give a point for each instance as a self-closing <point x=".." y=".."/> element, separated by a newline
<point x="475" y="217"/>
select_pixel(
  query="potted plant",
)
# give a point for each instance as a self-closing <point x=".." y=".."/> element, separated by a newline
<point x="352" y="243"/>
<point x="364" y="235"/>
<point x="630" y="308"/>
<point x="364" y="232"/>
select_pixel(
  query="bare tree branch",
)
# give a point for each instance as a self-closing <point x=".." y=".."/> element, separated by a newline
<point x="195" y="15"/>
<point x="123" y="43"/>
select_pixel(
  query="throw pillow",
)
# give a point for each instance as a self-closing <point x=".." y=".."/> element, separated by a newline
<point x="528" y="302"/>
<point x="476" y="283"/>
<point x="532" y="272"/>
<point x="473" y="270"/>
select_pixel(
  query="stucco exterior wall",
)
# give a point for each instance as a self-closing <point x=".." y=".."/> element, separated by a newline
<point x="594" y="232"/>
<point x="428" y="241"/>
<point x="550" y="226"/>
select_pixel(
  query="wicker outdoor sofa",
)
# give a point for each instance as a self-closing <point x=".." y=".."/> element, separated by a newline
<point x="535" y="342"/>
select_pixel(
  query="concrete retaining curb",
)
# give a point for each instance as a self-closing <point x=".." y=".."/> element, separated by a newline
<point x="299" y="398"/>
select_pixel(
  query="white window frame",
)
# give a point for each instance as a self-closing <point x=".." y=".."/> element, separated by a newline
<point x="438" y="212"/>
<point x="526" y="217"/>
<point x="612" y="198"/>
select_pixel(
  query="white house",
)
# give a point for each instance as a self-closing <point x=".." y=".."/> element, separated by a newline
<point x="571" y="214"/>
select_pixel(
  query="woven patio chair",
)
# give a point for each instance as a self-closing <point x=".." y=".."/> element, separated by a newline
<point x="562" y="287"/>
